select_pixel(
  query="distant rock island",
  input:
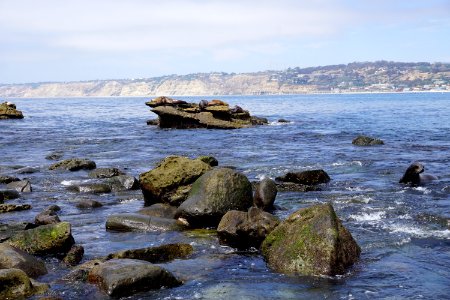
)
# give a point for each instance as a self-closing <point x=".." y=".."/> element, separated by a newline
<point x="380" y="76"/>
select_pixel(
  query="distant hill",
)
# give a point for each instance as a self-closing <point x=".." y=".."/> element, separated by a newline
<point x="380" y="76"/>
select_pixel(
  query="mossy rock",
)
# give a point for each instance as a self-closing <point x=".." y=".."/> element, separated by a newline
<point x="311" y="241"/>
<point x="15" y="284"/>
<point x="9" y="112"/>
<point x="363" y="140"/>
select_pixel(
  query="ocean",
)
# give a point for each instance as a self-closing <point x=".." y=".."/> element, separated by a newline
<point x="403" y="231"/>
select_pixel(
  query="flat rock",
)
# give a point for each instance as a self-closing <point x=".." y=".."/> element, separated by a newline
<point x="138" y="222"/>
<point x="23" y="186"/>
<point x="88" y="203"/>
<point x="74" y="164"/>
<point x="11" y="257"/>
<point x="160" y="254"/>
<point x="161" y="210"/>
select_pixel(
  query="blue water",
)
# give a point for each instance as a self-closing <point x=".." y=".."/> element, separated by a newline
<point x="402" y="231"/>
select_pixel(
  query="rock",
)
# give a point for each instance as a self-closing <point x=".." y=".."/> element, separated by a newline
<point x="91" y="188"/>
<point x="48" y="216"/>
<point x="296" y="187"/>
<point x="311" y="177"/>
<point x="366" y="141"/>
<point x="74" y="256"/>
<point x="153" y="122"/>
<point x="81" y="272"/>
<point x="55" y="155"/>
<point x="161" y="210"/>
<point x="155" y="255"/>
<point x="246" y="229"/>
<point x="8" y="230"/>
<point x="311" y="241"/>
<point x="4" y="208"/>
<point x="265" y="194"/>
<point x="8" y="195"/>
<point x="125" y="277"/>
<point x="105" y="173"/>
<point x="214" y="194"/>
<point x="123" y="183"/>
<point x="8" y="111"/>
<point x="283" y="121"/>
<point x="74" y="164"/>
<point x="23" y="186"/>
<point x="171" y="175"/>
<point x="27" y="170"/>
<point x="5" y="179"/>
<point x="45" y="239"/>
<point x="88" y="203"/>
<point x="138" y="222"/>
<point x="15" y="284"/>
<point x="210" y="160"/>
<point x="11" y="257"/>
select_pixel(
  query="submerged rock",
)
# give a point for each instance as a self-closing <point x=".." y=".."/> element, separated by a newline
<point x="311" y="241"/>
<point x="15" y="284"/>
<point x="156" y="255"/>
<point x="138" y="222"/>
<point x="214" y="194"/>
<point x="310" y="177"/>
<point x="8" y="111"/>
<point x="125" y="277"/>
<point x="11" y="257"/>
<point x="23" y="186"/>
<point x="265" y="194"/>
<point x="363" y="140"/>
<point x="74" y="164"/>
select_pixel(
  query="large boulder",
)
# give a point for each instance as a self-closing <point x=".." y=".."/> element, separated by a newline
<point x="311" y="241"/>
<point x="15" y="284"/>
<point x="246" y="229"/>
<point x="11" y="257"/>
<point x="74" y="164"/>
<point x="124" y="277"/>
<point x="9" y="111"/>
<point x="155" y="255"/>
<point x="214" y="194"/>
<point x="265" y="194"/>
<point x="139" y="222"/>
<point x="363" y="140"/>
<point x="310" y="177"/>
<point x="46" y="239"/>
<point x="170" y="181"/>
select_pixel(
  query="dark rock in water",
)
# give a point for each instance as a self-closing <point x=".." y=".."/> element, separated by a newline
<point x="45" y="239"/>
<point x="169" y="181"/>
<point x="161" y="210"/>
<point x="8" y="195"/>
<point x="366" y="141"/>
<point x="105" y="173"/>
<point x="4" y="208"/>
<point x="123" y="183"/>
<point x="155" y="255"/>
<point x="11" y="257"/>
<point x="311" y="177"/>
<point x="81" y="272"/>
<point x="27" y="170"/>
<point x="15" y="284"/>
<point x="92" y="188"/>
<point x="296" y="187"/>
<point x="125" y="277"/>
<point x="4" y="179"/>
<point x="88" y="203"/>
<point x="213" y="195"/>
<point x="283" y="121"/>
<point x="153" y="122"/>
<point x="23" y="186"/>
<point x="8" y="111"/>
<point x="246" y="229"/>
<point x="311" y="241"/>
<point x="265" y="194"/>
<point x="74" y="256"/>
<point x="48" y="216"/>
<point x="210" y="160"/>
<point x="74" y="164"/>
<point x="138" y="222"/>
<point x="55" y="155"/>
<point x="8" y="230"/>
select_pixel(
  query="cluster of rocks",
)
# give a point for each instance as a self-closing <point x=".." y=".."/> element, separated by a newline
<point x="214" y="114"/>
<point x="8" y="110"/>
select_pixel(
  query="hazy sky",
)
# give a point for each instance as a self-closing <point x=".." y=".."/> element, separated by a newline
<point x="65" y="40"/>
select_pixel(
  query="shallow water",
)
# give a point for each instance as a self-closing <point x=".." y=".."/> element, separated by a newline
<point x="402" y="230"/>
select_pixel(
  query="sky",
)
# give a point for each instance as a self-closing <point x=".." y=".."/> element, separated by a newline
<point x="72" y="40"/>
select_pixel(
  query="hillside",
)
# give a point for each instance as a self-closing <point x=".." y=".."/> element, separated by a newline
<point x="379" y="76"/>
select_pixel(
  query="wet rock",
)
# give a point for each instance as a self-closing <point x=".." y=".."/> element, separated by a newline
<point x="125" y="277"/>
<point x="105" y="173"/>
<point x="45" y="239"/>
<point x="160" y="254"/>
<point x="74" y="164"/>
<point x="8" y="230"/>
<point x="81" y="272"/>
<point x="23" y="186"/>
<point x="311" y="241"/>
<point x="9" y="111"/>
<point x="296" y="187"/>
<point x="153" y="122"/>
<point x="11" y="257"/>
<point x="168" y="181"/>
<point x="5" y="179"/>
<point x="48" y="216"/>
<point x="138" y="222"/>
<point x="88" y="203"/>
<point x="214" y="194"/>
<point x="123" y="183"/>
<point x="310" y="177"/>
<point x="15" y="284"/>
<point x="55" y="155"/>
<point x="210" y="160"/>
<point x="8" y="195"/>
<point x="283" y="121"/>
<point x="246" y="229"/>
<point x="91" y="188"/>
<point x="74" y="256"/>
<point x="363" y="140"/>
<point x="161" y="210"/>
<point x="27" y="170"/>
<point x="4" y="208"/>
<point x="265" y="194"/>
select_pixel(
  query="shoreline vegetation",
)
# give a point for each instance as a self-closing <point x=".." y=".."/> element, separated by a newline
<point x="357" y="78"/>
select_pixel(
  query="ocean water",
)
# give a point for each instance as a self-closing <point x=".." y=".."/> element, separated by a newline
<point x="403" y="231"/>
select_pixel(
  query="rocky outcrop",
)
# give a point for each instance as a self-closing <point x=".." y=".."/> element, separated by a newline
<point x="15" y="284"/>
<point x="311" y="241"/>
<point x="11" y="257"/>
<point x="74" y="164"/>
<point x="215" y="114"/>
<point x="170" y="181"/>
<point x="363" y="140"/>
<point x="124" y="277"/>
<point x="8" y="111"/>
<point x="155" y="255"/>
<point x="214" y="194"/>
<point x="246" y="229"/>
<point x="139" y="222"/>
<point x="265" y="194"/>
<point x="310" y="177"/>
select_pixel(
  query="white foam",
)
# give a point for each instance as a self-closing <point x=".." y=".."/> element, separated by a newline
<point x="73" y="182"/>
<point x="422" y="189"/>
<point x="419" y="232"/>
<point x="369" y="217"/>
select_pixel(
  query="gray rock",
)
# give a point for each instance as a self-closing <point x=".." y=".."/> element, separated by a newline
<point x="155" y="255"/>
<point x="91" y="188"/>
<point x="296" y="187"/>
<point x="27" y="170"/>
<point x="366" y="141"/>
<point x="88" y="203"/>
<point x="5" y="179"/>
<point x="265" y="194"/>
<point x="11" y="257"/>
<point x="8" y="230"/>
<point x="310" y="177"/>
<point x="105" y="173"/>
<point x="48" y="216"/>
<point x="138" y="222"/>
<point x="125" y="277"/>
<point x="161" y="210"/>
<point x="23" y="186"/>
<point x="74" y="164"/>
<point x="123" y="183"/>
